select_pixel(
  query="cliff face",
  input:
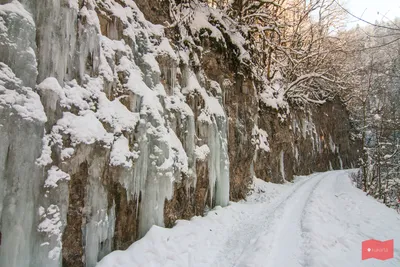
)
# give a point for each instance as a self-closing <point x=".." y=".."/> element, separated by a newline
<point x="308" y="141"/>
<point x="110" y="124"/>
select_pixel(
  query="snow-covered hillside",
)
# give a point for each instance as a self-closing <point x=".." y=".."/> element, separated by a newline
<point x="319" y="220"/>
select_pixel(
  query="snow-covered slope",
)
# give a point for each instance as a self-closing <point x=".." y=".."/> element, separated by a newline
<point x="320" y="220"/>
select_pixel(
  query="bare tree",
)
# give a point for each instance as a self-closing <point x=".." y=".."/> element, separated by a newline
<point x="372" y="99"/>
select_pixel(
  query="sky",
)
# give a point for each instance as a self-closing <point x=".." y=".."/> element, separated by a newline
<point x="368" y="10"/>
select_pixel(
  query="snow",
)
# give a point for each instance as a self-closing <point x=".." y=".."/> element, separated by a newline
<point x="177" y="155"/>
<point x="22" y="99"/>
<point x="120" y="153"/>
<point x="202" y="152"/>
<point x="204" y="117"/>
<point x="51" y="225"/>
<point x="90" y="16"/>
<point x="104" y="91"/>
<point x="17" y="8"/>
<point x="377" y="117"/>
<point x="193" y="84"/>
<point x="262" y="140"/>
<point x="66" y="153"/>
<point x="319" y="220"/>
<point x="200" y="21"/>
<point x="235" y="34"/>
<point x="152" y="62"/>
<point x="184" y="56"/>
<point x="116" y="115"/>
<point x="178" y="103"/>
<point x="215" y="86"/>
<point x="74" y="95"/>
<point x="214" y="106"/>
<point x="206" y="21"/>
<point x="54" y="175"/>
<point x="165" y="48"/>
<point x="83" y="129"/>
<point x="51" y="84"/>
<point x="73" y="4"/>
<point x="273" y="98"/>
<point x="45" y="157"/>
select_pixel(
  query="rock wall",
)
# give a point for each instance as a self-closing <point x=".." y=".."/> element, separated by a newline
<point x="110" y="124"/>
<point x="308" y="140"/>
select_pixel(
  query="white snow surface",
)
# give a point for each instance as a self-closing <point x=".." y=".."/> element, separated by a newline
<point x="22" y="99"/>
<point x="274" y="101"/>
<point x="54" y="175"/>
<point x="202" y="152"/>
<point x="83" y="129"/>
<point x="319" y="220"/>
<point x="51" y="225"/>
<point x="262" y="140"/>
<point x="201" y="20"/>
<point x="17" y="8"/>
<point x="116" y="114"/>
<point x="120" y="153"/>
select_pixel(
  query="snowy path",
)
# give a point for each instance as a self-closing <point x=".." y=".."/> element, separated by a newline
<point x="320" y="220"/>
<point x="284" y="216"/>
<point x="286" y="219"/>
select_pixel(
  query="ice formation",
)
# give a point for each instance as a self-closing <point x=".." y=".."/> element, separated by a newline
<point x="282" y="165"/>
<point x="83" y="95"/>
<point x="260" y="138"/>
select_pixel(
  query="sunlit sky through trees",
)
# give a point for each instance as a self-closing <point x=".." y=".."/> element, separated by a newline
<point x="372" y="10"/>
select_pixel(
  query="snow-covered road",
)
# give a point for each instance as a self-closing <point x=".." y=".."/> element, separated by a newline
<point x="320" y="220"/>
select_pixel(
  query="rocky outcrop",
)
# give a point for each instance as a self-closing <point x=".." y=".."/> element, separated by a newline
<point x="308" y="140"/>
<point x="110" y="124"/>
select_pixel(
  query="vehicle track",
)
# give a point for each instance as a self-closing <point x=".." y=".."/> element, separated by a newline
<point x="244" y="241"/>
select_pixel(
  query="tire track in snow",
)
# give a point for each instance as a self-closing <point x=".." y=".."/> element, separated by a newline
<point x="270" y="215"/>
<point x="331" y="180"/>
<point x="305" y="232"/>
<point x="246" y="233"/>
<point x="246" y="237"/>
<point x="291" y="224"/>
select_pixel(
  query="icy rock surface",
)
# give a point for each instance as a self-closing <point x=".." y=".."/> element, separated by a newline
<point x="17" y="41"/>
<point x="82" y="100"/>
<point x="21" y="129"/>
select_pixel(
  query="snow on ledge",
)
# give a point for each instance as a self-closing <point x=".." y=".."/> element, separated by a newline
<point x="54" y="175"/>
<point x="83" y="129"/>
<point x="17" y="8"/>
<point x="202" y="152"/>
<point x="22" y="99"/>
<point x="120" y="153"/>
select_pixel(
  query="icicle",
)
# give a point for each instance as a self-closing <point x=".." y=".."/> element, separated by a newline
<point x="282" y="165"/>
